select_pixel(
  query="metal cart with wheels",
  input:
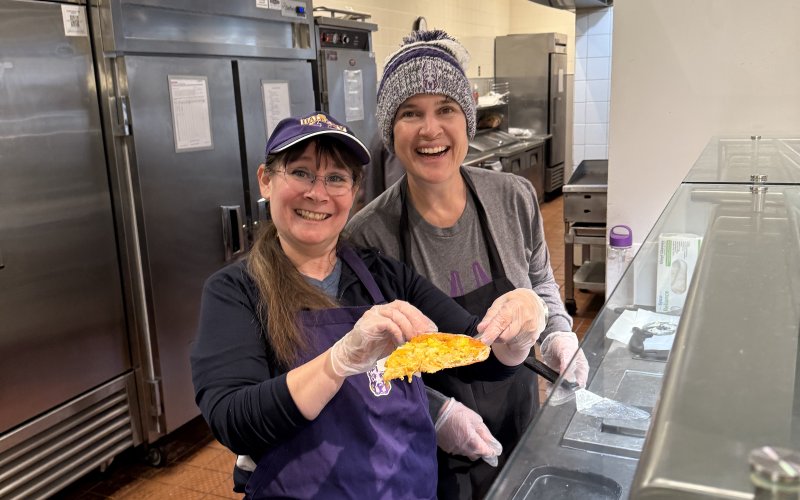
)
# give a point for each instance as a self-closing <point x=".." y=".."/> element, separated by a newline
<point x="585" y="225"/>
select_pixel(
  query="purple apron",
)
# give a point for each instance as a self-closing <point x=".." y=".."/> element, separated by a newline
<point x="506" y="406"/>
<point x="372" y="440"/>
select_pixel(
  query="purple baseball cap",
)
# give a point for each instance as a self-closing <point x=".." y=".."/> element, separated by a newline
<point x="290" y="131"/>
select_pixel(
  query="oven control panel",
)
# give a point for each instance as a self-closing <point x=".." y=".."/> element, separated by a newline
<point x="342" y="38"/>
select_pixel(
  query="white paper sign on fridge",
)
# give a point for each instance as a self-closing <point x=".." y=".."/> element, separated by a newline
<point x="74" y="18"/>
<point x="191" y="117"/>
<point x="277" y="105"/>
<point x="269" y="4"/>
<point x="353" y="95"/>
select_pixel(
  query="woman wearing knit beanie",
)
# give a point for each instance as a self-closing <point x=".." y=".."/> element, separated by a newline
<point x="477" y="235"/>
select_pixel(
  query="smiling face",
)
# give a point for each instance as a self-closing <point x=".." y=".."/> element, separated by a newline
<point x="430" y="137"/>
<point x="307" y="217"/>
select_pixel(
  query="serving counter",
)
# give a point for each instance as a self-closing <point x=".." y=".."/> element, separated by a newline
<point x="705" y="340"/>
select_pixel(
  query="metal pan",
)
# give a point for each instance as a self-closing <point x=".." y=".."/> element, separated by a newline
<point x="586" y="401"/>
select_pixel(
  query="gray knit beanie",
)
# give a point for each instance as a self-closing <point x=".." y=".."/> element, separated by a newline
<point x="428" y="62"/>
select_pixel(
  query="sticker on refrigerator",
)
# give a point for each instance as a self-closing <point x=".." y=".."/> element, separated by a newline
<point x="277" y="105"/>
<point x="293" y="8"/>
<point x="191" y="118"/>
<point x="269" y="4"/>
<point x="353" y="95"/>
<point x="74" y="18"/>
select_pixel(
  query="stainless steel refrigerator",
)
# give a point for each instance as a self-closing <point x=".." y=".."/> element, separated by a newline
<point x="535" y="67"/>
<point x="192" y="90"/>
<point x="67" y="394"/>
<point x="130" y="134"/>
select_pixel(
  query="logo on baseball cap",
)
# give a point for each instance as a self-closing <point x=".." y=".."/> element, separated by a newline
<point x="291" y="131"/>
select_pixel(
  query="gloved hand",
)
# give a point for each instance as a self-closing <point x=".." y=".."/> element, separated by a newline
<point x="376" y="334"/>
<point x="461" y="431"/>
<point x="558" y="350"/>
<point x="513" y="324"/>
<point x="244" y="462"/>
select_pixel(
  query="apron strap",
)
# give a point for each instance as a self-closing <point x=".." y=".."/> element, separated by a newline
<point x="495" y="264"/>
<point x="355" y="262"/>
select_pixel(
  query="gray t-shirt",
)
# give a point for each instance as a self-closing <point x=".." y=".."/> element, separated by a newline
<point x="455" y="258"/>
<point x="329" y="285"/>
<point x="515" y="223"/>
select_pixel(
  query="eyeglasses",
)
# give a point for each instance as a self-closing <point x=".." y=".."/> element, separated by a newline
<point x="303" y="180"/>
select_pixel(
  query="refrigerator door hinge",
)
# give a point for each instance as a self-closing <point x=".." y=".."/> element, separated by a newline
<point x="121" y="118"/>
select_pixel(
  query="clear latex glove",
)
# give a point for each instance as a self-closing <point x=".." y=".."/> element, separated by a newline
<point x="461" y="431"/>
<point x="558" y="350"/>
<point x="375" y="335"/>
<point x="244" y="462"/>
<point x="513" y="324"/>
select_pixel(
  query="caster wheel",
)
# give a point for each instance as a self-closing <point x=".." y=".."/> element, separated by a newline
<point x="571" y="306"/>
<point x="154" y="457"/>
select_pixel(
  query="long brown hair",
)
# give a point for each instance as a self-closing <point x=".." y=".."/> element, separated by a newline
<point x="283" y="290"/>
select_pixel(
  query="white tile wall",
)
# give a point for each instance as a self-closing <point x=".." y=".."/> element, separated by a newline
<point x="579" y="114"/>
<point x="592" y="84"/>
<point x="598" y="45"/>
<point x="579" y="134"/>
<point x="598" y="90"/>
<point x="596" y="112"/>
<point x="598" y="68"/>
<point x="596" y="134"/>
<point x="580" y="91"/>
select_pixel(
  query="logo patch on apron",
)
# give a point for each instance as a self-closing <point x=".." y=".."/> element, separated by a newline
<point x="376" y="384"/>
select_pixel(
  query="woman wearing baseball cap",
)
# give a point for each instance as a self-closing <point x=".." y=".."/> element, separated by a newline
<point x="475" y="233"/>
<point x="286" y="362"/>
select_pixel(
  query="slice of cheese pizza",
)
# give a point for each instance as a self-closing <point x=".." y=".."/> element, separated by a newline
<point x="431" y="352"/>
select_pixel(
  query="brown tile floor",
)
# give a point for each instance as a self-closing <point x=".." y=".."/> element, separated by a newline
<point x="197" y="466"/>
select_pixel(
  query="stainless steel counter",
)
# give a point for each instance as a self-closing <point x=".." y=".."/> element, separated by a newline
<point x="591" y="176"/>
<point x="499" y="150"/>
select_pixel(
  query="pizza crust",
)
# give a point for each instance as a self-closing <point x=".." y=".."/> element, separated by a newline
<point x="431" y="352"/>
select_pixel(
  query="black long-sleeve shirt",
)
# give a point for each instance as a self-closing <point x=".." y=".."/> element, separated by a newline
<point x="242" y="391"/>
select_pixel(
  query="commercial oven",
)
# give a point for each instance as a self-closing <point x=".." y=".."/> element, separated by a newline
<point x="345" y="75"/>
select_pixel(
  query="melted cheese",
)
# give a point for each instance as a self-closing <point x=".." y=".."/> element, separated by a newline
<point x="431" y="352"/>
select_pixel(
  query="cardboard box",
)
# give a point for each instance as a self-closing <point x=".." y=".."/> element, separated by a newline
<point x="677" y="258"/>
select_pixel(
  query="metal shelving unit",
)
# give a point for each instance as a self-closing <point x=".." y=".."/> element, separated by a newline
<point x="585" y="225"/>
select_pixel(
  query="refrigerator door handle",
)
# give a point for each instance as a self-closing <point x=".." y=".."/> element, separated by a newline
<point x="232" y="231"/>
<point x="554" y="107"/>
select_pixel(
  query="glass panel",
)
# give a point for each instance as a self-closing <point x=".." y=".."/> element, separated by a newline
<point x="724" y="309"/>
<point x="734" y="160"/>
